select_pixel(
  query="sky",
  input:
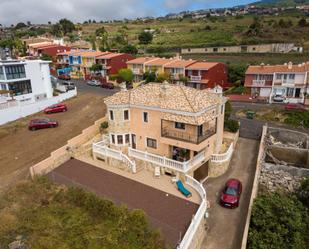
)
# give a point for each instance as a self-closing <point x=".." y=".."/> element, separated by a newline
<point x="42" y="11"/>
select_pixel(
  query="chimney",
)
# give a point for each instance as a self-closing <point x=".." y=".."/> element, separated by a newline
<point x="290" y="65"/>
<point x="262" y="65"/>
<point x="163" y="88"/>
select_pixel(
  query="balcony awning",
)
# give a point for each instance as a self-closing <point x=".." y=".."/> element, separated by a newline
<point x="201" y="119"/>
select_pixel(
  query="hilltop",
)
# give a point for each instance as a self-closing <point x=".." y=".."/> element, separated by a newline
<point x="280" y="3"/>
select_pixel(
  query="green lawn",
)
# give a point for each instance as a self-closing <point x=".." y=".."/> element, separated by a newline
<point x="47" y="216"/>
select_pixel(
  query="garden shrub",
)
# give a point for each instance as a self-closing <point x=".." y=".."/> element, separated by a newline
<point x="231" y="125"/>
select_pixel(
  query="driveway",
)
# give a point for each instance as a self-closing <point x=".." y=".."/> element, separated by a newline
<point x="225" y="226"/>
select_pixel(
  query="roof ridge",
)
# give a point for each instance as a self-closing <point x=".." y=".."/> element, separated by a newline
<point x="187" y="98"/>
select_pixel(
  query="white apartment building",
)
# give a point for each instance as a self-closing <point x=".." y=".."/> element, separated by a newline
<point x="28" y="81"/>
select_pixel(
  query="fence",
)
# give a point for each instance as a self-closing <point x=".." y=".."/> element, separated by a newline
<point x="220" y="158"/>
<point x="191" y="232"/>
<point x="64" y="153"/>
<point x="21" y="110"/>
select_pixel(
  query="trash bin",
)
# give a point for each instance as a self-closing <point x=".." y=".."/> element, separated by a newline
<point x="250" y="114"/>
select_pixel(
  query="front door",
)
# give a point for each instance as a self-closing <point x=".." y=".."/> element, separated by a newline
<point x="133" y="141"/>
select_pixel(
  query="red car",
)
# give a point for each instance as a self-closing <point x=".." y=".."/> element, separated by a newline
<point x="293" y="106"/>
<point x="56" y="108"/>
<point x="107" y="85"/>
<point x="41" y="123"/>
<point x="231" y="194"/>
<point x="64" y="77"/>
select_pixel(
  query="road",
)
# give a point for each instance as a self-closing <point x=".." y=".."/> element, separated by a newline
<point x="226" y="225"/>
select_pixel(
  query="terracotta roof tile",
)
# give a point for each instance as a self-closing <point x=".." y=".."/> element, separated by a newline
<point x="159" y="62"/>
<point x="270" y="69"/>
<point x="202" y="65"/>
<point x="141" y="60"/>
<point x="180" y="63"/>
<point x="108" y="55"/>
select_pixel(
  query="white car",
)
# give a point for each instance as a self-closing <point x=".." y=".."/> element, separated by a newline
<point x="278" y="98"/>
<point x="93" y="83"/>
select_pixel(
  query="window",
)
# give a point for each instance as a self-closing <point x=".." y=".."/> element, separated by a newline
<point x="113" y="138"/>
<point x="111" y="115"/>
<point x="297" y="92"/>
<point x="119" y="139"/>
<point x="145" y="117"/>
<point x="290" y="92"/>
<point x="127" y="138"/>
<point x="179" y="125"/>
<point x="279" y="76"/>
<point x="222" y="107"/>
<point x="151" y="143"/>
<point x="20" y="87"/>
<point x="291" y="76"/>
<point x="1" y="73"/>
<point x="126" y="115"/>
<point x="15" y="72"/>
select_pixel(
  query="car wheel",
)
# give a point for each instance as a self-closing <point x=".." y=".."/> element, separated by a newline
<point x="33" y="128"/>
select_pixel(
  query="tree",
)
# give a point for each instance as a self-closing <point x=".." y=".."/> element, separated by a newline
<point x="20" y="25"/>
<point x="126" y="75"/>
<point x="303" y="192"/>
<point x="66" y="26"/>
<point x="46" y="57"/>
<point x="145" y="37"/>
<point x="236" y="72"/>
<point x="100" y="31"/>
<point x="96" y="68"/>
<point x="255" y="28"/>
<point x="163" y="77"/>
<point x="302" y="22"/>
<point x="129" y="49"/>
<point x="56" y="30"/>
<point x="149" y="76"/>
<point x="278" y="221"/>
<point x="104" y="42"/>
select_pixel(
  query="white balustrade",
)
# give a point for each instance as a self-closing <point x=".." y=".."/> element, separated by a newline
<point x="196" y="78"/>
<point x="258" y="82"/>
<point x="224" y="157"/>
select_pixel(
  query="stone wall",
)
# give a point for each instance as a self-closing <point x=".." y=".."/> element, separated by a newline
<point x="286" y="178"/>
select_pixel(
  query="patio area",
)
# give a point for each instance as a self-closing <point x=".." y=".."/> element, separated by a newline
<point x="170" y="213"/>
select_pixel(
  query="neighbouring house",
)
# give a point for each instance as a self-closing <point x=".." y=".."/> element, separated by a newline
<point x="113" y="62"/>
<point x="269" y="82"/>
<point x="52" y="50"/>
<point x="138" y="67"/>
<point x="172" y="127"/>
<point x="202" y="75"/>
<point x="28" y="81"/>
<point x="197" y="74"/>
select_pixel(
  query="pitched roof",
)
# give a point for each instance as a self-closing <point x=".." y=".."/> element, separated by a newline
<point x="173" y="97"/>
<point x="108" y="55"/>
<point x="141" y="60"/>
<point x="180" y="63"/>
<point x="40" y="44"/>
<point x="270" y="69"/>
<point x="159" y="62"/>
<point x="91" y="53"/>
<point x="202" y="65"/>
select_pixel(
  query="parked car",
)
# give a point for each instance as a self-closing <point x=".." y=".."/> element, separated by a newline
<point x="56" y="108"/>
<point x="41" y="123"/>
<point x="278" y="98"/>
<point x="64" y="77"/>
<point x="231" y="194"/>
<point x="294" y="106"/>
<point x="93" y="83"/>
<point x="107" y="85"/>
<point x="68" y="85"/>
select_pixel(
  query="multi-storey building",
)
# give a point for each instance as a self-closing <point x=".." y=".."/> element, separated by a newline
<point x="196" y="74"/>
<point x="27" y="81"/>
<point x="174" y="127"/>
<point x="288" y="82"/>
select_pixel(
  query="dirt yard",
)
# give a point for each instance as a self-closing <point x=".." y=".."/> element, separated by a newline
<point x="21" y="148"/>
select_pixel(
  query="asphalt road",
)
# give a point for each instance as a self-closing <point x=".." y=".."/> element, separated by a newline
<point x="82" y="87"/>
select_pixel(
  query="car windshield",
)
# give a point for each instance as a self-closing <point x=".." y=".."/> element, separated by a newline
<point x="230" y="191"/>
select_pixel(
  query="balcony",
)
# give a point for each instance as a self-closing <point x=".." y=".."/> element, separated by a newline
<point x="258" y="83"/>
<point x="137" y="71"/>
<point x="195" y="78"/>
<point x="187" y="137"/>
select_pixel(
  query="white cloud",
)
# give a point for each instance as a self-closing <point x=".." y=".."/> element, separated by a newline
<point x="42" y="11"/>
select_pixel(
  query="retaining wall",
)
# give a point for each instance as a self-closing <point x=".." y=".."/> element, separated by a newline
<point x="74" y="147"/>
<point x="22" y="110"/>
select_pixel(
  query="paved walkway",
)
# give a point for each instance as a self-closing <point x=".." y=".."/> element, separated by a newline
<point x="226" y="225"/>
<point x="167" y="212"/>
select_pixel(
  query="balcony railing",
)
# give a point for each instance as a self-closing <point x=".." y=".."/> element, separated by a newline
<point x="258" y="82"/>
<point x="137" y="71"/>
<point x="195" y="78"/>
<point x="187" y="137"/>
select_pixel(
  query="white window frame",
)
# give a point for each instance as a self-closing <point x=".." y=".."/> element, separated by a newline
<point x="123" y="139"/>
<point x="152" y="139"/>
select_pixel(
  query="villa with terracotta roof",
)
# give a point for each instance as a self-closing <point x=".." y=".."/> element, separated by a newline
<point x="196" y="74"/>
<point x="181" y="125"/>
<point x="270" y="83"/>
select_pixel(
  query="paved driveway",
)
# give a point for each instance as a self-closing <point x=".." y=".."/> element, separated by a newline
<point x="226" y="225"/>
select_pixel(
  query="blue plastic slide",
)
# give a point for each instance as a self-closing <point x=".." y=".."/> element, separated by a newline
<point x="182" y="189"/>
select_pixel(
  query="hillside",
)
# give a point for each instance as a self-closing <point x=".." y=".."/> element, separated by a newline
<point x="280" y="3"/>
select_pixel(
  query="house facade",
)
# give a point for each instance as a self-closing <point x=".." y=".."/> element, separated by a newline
<point x="196" y="74"/>
<point x="27" y="81"/>
<point x="288" y="81"/>
<point x="174" y="127"/>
